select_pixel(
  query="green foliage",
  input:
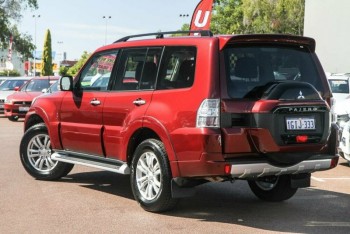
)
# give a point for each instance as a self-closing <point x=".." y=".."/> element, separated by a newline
<point x="185" y="27"/>
<point x="75" y="69"/>
<point x="63" y="71"/>
<point x="10" y="13"/>
<point x="9" y="73"/>
<point x="227" y="17"/>
<point x="258" y="16"/>
<point x="46" y="68"/>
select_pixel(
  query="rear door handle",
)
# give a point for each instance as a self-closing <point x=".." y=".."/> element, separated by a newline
<point x="139" y="102"/>
<point x="95" y="102"/>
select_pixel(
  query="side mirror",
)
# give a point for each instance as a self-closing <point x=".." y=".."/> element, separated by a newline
<point x="45" y="90"/>
<point x="66" y="83"/>
<point x="16" y="88"/>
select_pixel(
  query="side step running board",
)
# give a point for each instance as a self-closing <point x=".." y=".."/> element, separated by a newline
<point x="96" y="162"/>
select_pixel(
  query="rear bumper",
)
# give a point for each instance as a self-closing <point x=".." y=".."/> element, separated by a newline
<point x="253" y="168"/>
<point x="256" y="170"/>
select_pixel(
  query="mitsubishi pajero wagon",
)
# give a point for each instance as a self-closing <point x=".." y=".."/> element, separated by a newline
<point x="176" y="112"/>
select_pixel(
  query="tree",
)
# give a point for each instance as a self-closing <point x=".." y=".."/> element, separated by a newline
<point x="258" y="16"/>
<point x="227" y="17"/>
<point x="75" y="69"/>
<point x="46" y="64"/>
<point x="10" y="13"/>
<point x="63" y="71"/>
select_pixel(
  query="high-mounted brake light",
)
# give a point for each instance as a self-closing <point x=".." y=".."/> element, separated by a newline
<point x="208" y="115"/>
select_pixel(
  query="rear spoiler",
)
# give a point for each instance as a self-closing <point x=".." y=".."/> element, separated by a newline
<point x="270" y="39"/>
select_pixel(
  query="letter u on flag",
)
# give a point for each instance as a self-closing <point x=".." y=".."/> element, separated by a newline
<point x="202" y="15"/>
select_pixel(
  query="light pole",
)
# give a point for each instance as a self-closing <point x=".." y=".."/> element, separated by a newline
<point x="59" y="54"/>
<point x="106" y="18"/>
<point x="184" y="16"/>
<point x="35" y="18"/>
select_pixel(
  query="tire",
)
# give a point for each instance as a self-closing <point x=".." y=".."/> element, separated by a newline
<point x="35" y="154"/>
<point x="13" y="118"/>
<point x="151" y="177"/>
<point x="273" y="188"/>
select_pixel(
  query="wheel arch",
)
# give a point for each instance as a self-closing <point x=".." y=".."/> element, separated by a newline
<point x="38" y="115"/>
<point x="152" y="129"/>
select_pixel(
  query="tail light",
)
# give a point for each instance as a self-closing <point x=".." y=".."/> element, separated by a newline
<point x="208" y="114"/>
<point x="331" y="103"/>
<point x="334" y="162"/>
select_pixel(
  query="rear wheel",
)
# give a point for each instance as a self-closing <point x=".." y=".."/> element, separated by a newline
<point x="35" y="153"/>
<point x="151" y="177"/>
<point x="273" y="188"/>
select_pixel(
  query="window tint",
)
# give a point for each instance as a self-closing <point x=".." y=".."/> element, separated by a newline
<point x="178" y="68"/>
<point x="97" y="73"/>
<point x="138" y="69"/>
<point x="248" y="67"/>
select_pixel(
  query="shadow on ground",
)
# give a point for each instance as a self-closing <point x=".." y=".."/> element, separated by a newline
<point x="311" y="210"/>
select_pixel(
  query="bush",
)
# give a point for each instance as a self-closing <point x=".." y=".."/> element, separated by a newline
<point x="9" y="73"/>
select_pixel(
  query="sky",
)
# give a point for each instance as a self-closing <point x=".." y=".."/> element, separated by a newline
<point x="78" y="25"/>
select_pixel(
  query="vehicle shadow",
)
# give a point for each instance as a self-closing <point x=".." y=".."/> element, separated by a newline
<point x="311" y="210"/>
<point x="103" y="181"/>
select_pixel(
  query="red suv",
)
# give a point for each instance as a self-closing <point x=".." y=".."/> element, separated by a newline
<point x="17" y="104"/>
<point x="175" y="112"/>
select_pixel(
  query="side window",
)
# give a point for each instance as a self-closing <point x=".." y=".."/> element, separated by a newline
<point x="138" y="69"/>
<point x="97" y="73"/>
<point x="177" y="68"/>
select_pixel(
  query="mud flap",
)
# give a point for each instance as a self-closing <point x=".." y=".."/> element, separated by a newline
<point x="300" y="180"/>
<point x="181" y="192"/>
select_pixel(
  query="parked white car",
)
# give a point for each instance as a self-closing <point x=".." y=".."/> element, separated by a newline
<point x="344" y="144"/>
<point x="339" y="84"/>
<point x="8" y="87"/>
<point x="342" y="112"/>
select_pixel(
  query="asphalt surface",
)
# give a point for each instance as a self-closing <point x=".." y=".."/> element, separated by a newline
<point x="93" y="201"/>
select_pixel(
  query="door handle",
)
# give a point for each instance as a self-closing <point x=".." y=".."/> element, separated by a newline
<point x="95" y="102"/>
<point x="139" y="102"/>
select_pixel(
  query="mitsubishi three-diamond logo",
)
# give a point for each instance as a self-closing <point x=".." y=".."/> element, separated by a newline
<point x="301" y="95"/>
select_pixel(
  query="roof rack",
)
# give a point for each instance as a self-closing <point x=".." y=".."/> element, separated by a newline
<point x="203" y="33"/>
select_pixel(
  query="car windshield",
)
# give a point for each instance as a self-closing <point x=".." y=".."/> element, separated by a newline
<point x="54" y="87"/>
<point x="252" y="66"/>
<point x="37" y="85"/>
<point x="10" y="84"/>
<point x="339" y="86"/>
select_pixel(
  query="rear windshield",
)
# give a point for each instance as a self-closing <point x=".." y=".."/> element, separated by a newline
<point x="339" y="86"/>
<point x="249" y="66"/>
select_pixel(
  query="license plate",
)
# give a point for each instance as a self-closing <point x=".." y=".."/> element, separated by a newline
<point x="23" y="109"/>
<point x="300" y="123"/>
<point x="1" y="106"/>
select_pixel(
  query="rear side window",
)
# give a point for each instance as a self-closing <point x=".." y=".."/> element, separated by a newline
<point x="177" y="68"/>
<point x="248" y="67"/>
<point x="138" y="69"/>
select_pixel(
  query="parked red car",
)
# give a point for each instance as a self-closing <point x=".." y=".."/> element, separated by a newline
<point x="175" y="112"/>
<point x="17" y="104"/>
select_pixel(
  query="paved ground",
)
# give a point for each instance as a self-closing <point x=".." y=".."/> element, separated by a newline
<point x="92" y="201"/>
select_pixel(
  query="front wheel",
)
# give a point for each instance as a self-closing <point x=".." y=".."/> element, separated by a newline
<point x="273" y="188"/>
<point x="151" y="177"/>
<point x="35" y="153"/>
